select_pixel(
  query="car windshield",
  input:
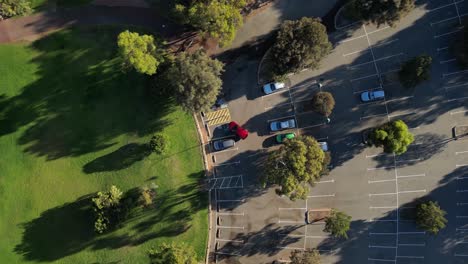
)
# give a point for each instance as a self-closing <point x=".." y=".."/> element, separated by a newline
<point x="284" y="124"/>
<point x="272" y="86"/>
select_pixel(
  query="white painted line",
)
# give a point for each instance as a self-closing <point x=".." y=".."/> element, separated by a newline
<point x="379" y="59"/>
<point x="411" y="160"/>
<point x="313" y="126"/>
<point x="461" y="152"/>
<point x="226" y="253"/>
<point x="411" y="257"/>
<point x="457" y="99"/>
<point x="443" y="48"/>
<point x="461" y="242"/>
<point x="364" y="77"/>
<point x="412" y="233"/>
<point x="293" y="248"/>
<point x="317" y="237"/>
<point x="380" y="168"/>
<point x="381" y="194"/>
<point x="371" y="156"/>
<point x="462" y="204"/>
<point x="291" y="222"/>
<point x="462" y="216"/>
<point x="279" y="92"/>
<point x="385" y="43"/>
<point x="455" y="86"/>
<point x="412" y="245"/>
<point x="229" y="240"/>
<point x="400" y="99"/>
<point x="318" y="196"/>
<point x="462" y="191"/>
<point x="391" y="180"/>
<point x="230" y="201"/>
<point x="383" y="260"/>
<point x="377" y="220"/>
<point x="395" y="115"/>
<point x="410" y="176"/>
<point x="461" y="229"/>
<point x="234" y="214"/>
<point x="329" y="181"/>
<point x="391" y="247"/>
<point x="370" y="116"/>
<point x="460" y="255"/>
<point x="458" y="112"/>
<point x="447" y="61"/>
<point x="321" y="139"/>
<point x="226" y="164"/>
<point x="452" y="73"/>
<point x="382" y="207"/>
<point x="448" y="33"/>
<point x="377" y="30"/>
<point x="351" y="39"/>
<point x="416" y="191"/>
<point x="462" y="178"/>
<point x="351" y="53"/>
<point x="437" y="8"/>
<point x="285" y="117"/>
<point x="230" y="227"/>
<point x="382" y="234"/>
<point x="282" y="208"/>
<point x="461" y="165"/>
<point x="279" y="105"/>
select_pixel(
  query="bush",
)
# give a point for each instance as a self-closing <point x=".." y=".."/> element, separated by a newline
<point x="147" y="195"/>
<point x="158" y="143"/>
<point x="11" y="8"/>
<point x="415" y="71"/>
<point x="173" y="254"/>
<point x="430" y="217"/>
<point x="337" y="224"/>
<point x="323" y="103"/>
<point x="394" y="137"/>
<point x="106" y="206"/>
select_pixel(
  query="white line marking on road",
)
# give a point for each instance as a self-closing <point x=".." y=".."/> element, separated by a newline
<point x="234" y="214"/>
<point x="290" y="222"/>
<point x="452" y="73"/>
<point x="372" y="246"/>
<point x="462" y="191"/>
<point x="462" y="216"/>
<point x="448" y="33"/>
<point x="416" y="191"/>
<point x="447" y="5"/>
<point x="461" y="229"/>
<point x="371" y="156"/>
<point x="458" y="112"/>
<point x="229" y="240"/>
<point x="370" y="116"/>
<point x="313" y="126"/>
<point x="323" y="195"/>
<point x="230" y="201"/>
<point x="329" y="181"/>
<point x="462" y="178"/>
<point x="412" y="245"/>
<point x="411" y="160"/>
<point x="226" y="163"/>
<point x="402" y="114"/>
<point x="447" y="61"/>
<point x="382" y="207"/>
<point x="377" y="30"/>
<point x="283" y="208"/>
<point x="383" y="234"/>
<point x="383" y="260"/>
<point x="461" y="165"/>
<point x="461" y="152"/>
<point x="400" y="99"/>
<point x="460" y="255"/>
<point x="279" y="105"/>
<point x="381" y="181"/>
<point x="354" y="52"/>
<point x="351" y="39"/>
<point x="226" y="253"/>
<point x="443" y="48"/>
<point x="462" y="204"/>
<point x="230" y="227"/>
<point x="379" y="59"/>
<point x="379" y="220"/>
<point x="381" y="194"/>
<point x="293" y="248"/>
<point x="410" y="176"/>
<point x="380" y="168"/>
<point x="457" y="99"/>
<point x="411" y="257"/>
<point x="364" y="77"/>
<point x="412" y="233"/>
<point x="455" y="86"/>
<point x="285" y="117"/>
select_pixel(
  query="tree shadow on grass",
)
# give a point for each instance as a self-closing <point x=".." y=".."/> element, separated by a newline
<point x="81" y="101"/>
<point x="68" y="229"/>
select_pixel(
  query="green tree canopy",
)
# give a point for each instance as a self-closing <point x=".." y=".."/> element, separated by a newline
<point x="337" y="224"/>
<point x="393" y="136"/>
<point x="173" y="254"/>
<point x="300" y="44"/>
<point x="219" y="19"/>
<point x="195" y="80"/>
<point x="379" y="11"/>
<point x="106" y="206"/>
<point x="308" y="256"/>
<point x="139" y="52"/>
<point x="430" y="217"/>
<point x="294" y="165"/>
<point x="415" y="71"/>
<point x="323" y="103"/>
<point x="10" y="8"/>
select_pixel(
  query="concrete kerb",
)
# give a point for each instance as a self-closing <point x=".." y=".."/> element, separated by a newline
<point x="207" y="170"/>
<point x="338" y="13"/>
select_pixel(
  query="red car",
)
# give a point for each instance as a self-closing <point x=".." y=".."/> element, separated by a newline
<point x="238" y="130"/>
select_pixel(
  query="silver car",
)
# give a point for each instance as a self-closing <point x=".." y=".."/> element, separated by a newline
<point x="282" y="125"/>
<point x="222" y="144"/>
<point x="273" y="87"/>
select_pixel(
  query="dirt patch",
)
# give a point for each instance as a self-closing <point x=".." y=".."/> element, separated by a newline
<point x="317" y="215"/>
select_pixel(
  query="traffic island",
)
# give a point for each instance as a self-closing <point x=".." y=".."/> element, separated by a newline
<point x="317" y="215"/>
<point x="460" y="132"/>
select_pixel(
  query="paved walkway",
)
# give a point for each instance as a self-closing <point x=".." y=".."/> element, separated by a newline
<point x="37" y="25"/>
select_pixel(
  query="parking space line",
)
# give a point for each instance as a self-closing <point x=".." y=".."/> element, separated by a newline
<point x="443" y="48"/>
<point x="455" y="86"/>
<point x="375" y="60"/>
<point x="313" y="126"/>
<point x="448" y="33"/>
<point x="382" y="207"/>
<point x="386" y="43"/>
<point x="443" y="20"/>
<point x="234" y="214"/>
<point x="231" y="227"/>
<point x="458" y="12"/>
<point x="458" y="112"/>
<point x="226" y="163"/>
<point x="323" y="195"/>
<point x="411" y="257"/>
<point x="461" y="165"/>
<point x="365" y="90"/>
<point x="280" y="92"/>
<point x="383" y="260"/>
<point x="410" y="176"/>
<point x="462" y="191"/>
<point x="380" y="168"/>
<point x="294" y="116"/>
<point x="399" y="99"/>
<point x="411" y="160"/>
<point x="351" y="39"/>
<point x="457" y="99"/>
<point x="412" y="233"/>
<point x="462" y="216"/>
<point x="280" y="105"/>
<point x="364" y="77"/>
<point x="461" y="152"/>
<point x="377" y="30"/>
<point x="354" y="52"/>
<point x="447" y="5"/>
<point x="381" y="181"/>
<point x="461" y="229"/>
<point x="293" y="248"/>
<point x="412" y="245"/>
<point x="329" y="181"/>
<point x="282" y="208"/>
<point x="230" y="201"/>
<point x="372" y="246"/>
<point x="415" y="191"/>
<point x="462" y="204"/>
<point x="447" y="61"/>
<point x="290" y="222"/>
<point x="229" y="240"/>
<point x="381" y="194"/>
<point x="460" y="255"/>
<point x="382" y="234"/>
<point x="403" y="114"/>
<point x="382" y="220"/>
<point x="462" y="178"/>
<point x="452" y="73"/>
<point x="370" y="116"/>
<point x="372" y="156"/>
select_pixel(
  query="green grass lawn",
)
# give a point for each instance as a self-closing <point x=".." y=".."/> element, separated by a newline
<point x="72" y="124"/>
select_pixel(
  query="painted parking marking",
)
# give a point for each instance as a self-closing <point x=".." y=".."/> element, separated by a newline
<point x="365" y="90"/>
<point x="457" y="99"/>
<point x="319" y="196"/>
<point x="376" y="60"/>
<point x="448" y="33"/>
<point x="458" y="112"/>
<point x="411" y="257"/>
<point x="376" y="155"/>
<point x="447" y="61"/>
<point x="402" y="114"/>
<point x="380" y="168"/>
<point x="410" y="160"/>
<point x="461" y="152"/>
<point x="391" y="180"/>
<point x="441" y="49"/>
<point x="370" y="116"/>
<point x="382" y="234"/>
<point x="307" y="127"/>
<point x="382" y="220"/>
<point x="455" y="86"/>
<point x="231" y="227"/>
<point x="285" y="117"/>
<point x="390" y="247"/>
<point x="412" y="245"/>
<point x="226" y="164"/>
<point x="229" y="240"/>
<point x="354" y="52"/>
<point x="461" y="165"/>
<point x="364" y="77"/>
<point x="226" y="150"/>
<point x="382" y="207"/>
<point x="230" y="201"/>
<point x="226" y="253"/>
<point x="452" y="73"/>
<point x="415" y="191"/>
<point x="329" y="181"/>
<point x="233" y="214"/>
<point x="383" y="260"/>
<point x="282" y="208"/>
<point x="443" y="6"/>
<point x="279" y="105"/>
<point x="290" y="222"/>
<point x="411" y="176"/>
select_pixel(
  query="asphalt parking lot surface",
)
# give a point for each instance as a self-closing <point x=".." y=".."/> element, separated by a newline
<point x="379" y="190"/>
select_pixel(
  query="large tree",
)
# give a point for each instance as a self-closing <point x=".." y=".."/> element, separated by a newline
<point x="173" y="254"/>
<point x="379" y="11"/>
<point x="295" y="165"/>
<point x="323" y="103"/>
<point x="139" y="52"/>
<point x="308" y="256"/>
<point x="195" y="80"/>
<point x="393" y="136"/>
<point x="415" y="71"/>
<point x="300" y="44"/>
<point x="219" y="19"/>
<point x="430" y="217"/>
<point x="337" y="224"/>
<point x="10" y="8"/>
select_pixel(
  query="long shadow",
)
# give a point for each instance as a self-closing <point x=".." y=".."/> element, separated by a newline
<point x="81" y="100"/>
<point x="68" y="229"/>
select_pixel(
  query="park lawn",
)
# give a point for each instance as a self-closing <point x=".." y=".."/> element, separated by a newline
<point x="71" y="124"/>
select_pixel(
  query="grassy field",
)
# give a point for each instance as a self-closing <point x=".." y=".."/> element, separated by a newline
<point x="72" y="124"/>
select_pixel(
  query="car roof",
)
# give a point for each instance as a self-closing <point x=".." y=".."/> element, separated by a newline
<point x="229" y="142"/>
<point x="379" y="93"/>
<point x="279" y="85"/>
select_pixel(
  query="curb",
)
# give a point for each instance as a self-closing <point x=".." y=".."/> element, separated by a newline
<point x="338" y="13"/>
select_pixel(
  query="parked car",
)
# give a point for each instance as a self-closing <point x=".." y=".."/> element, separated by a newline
<point x="282" y="125"/>
<point x="273" y="87"/>
<point x="238" y="130"/>
<point x="223" y="144"/>
<point x="374" y="95"/>
<point x="323" y="145"/>
<point x="282" y="137"/>
<point x="219" y="104"/>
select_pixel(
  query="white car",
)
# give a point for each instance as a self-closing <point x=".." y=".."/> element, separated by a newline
<point x="324" y="146"/>
<point x="273" y="87"/>
<point x="369" y="96"/>
<point x="282" y="125"/>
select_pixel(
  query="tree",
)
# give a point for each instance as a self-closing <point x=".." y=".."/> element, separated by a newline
<point x="460" y="47"/>
<point x="11" y="8"/>
<point x="173" y="254"/>
<point x="298" y="162"/>
<point x="430" y="217"/>
<point x="195" y="80"/>
<point x="379" y="11"/>
<point x="219" y="19"/>
<point x="139" y="52"/>
<point x="300" y="44"/>
<point x="393" y="136"/>
<point x="107" y="209"/>
<point x="308" y="256"/>
<point x="415" y="71"/>
<point x="323" y="103"/>
<point x="337" y="224"/>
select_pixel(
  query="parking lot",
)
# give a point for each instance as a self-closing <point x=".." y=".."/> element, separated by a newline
<point x="377" y="189"/>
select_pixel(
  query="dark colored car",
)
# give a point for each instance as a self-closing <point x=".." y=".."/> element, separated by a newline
<point x="238" y="130"/>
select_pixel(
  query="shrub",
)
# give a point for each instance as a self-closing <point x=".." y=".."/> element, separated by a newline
<point x="107" y="209"/>
<point x="158" y="143"/>
<point x="415" y="71"/>
<point x="323" y="103"/>
<point x="11" y="8"/>
<point x="172" y="254"/>
<point x="430" y="217"/>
